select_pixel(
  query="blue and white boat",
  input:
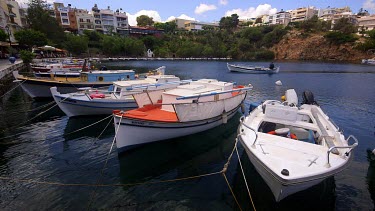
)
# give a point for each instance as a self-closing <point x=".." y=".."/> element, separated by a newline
<point x="66" y="83"/>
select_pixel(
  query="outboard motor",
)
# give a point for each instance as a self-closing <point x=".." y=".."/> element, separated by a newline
<point x="308" y="98"/>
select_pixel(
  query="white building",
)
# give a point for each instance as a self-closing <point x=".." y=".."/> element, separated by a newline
<point x="107" y="21"/>
<point x="367" y="22"/>
<point x="85" y="20"/>
<point x="282" y="18"/>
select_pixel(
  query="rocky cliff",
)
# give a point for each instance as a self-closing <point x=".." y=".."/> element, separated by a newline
<point x="298" y="46"/>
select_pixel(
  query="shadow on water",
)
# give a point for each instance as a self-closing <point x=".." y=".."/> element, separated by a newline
<point x="189" y="154"/>
<point x="94" y="127"/>
<point x="370" y="178"/>
<point x="319" y="197"/>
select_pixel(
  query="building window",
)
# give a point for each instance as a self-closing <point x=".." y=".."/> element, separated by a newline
<point x="64" y="14"/>
<point x="81" y="20"/>
<point x="65" y="21"/>
<point x="88" y="20"/>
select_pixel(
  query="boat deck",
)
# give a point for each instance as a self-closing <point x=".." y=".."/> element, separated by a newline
<point x="152" y="113"/>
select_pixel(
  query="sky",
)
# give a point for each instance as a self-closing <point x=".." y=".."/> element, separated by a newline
<point x="210" y="10"/>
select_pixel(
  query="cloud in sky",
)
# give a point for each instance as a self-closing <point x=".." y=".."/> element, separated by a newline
<point x="369" y="5"/>
<point x="183" y="16"/>
<point x="202" y="8"/>
<point x="150" y="13"/>
<point x="23" y="3"/>
<point x="251" y="12"/>
<point x="223" y="2"/>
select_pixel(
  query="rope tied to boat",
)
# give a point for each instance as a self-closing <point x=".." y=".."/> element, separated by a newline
<point x="13" y="88"/>
<point x="99" y="184"/>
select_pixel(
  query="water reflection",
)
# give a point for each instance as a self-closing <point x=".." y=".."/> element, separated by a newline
<point x="371" y="174"/>
<point x="187" y="155"/>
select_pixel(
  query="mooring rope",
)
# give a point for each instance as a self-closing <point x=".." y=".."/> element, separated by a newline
<point x="58" y="135"/>
<point x="34" y="116"/>
<point x="13" y="88"/>
<point x="104" y="166"/>
<point x="243" y="174"/>
<point x="30" y="110"/>
<point x="98" y="184"/>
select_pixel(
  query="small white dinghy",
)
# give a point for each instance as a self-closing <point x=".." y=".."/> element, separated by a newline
<point x="294" y="147"/>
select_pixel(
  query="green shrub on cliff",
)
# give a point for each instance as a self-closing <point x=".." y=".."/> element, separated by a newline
<point x="338" y="37"/>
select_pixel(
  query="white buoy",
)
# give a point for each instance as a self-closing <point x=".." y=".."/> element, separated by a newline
<point x="279" y="83"/>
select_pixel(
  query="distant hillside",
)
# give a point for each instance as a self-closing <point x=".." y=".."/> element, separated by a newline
<point x="299" y="46"/>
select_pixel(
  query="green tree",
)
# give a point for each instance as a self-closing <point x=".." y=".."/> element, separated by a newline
<point x="76" y="44"/>
<point x="3" y="35"/>
<point x="168" y="27"/>
<point x="27" y="56"/>
<point x="371" y="34"/>
<point x="144" y="20"/>
<point x="39" y="19"/>
<point x="345" y="26"/>
<point x="29" y="37"/>
<point x="338" y="37"/>
<point x="229" y="23"/>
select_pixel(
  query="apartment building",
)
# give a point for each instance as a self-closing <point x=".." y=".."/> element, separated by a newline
<point x="10" y="19"/>
<point x="121" y="22"/>
<point x="107" y="21"/>
<point x="367" y="22"/>
<point x="282" y="18"/>
<point x="349" y="15"/>
<point x="328" y="13"/>
<point x="66" y="17"/>
<point x="85" y="20"/>
<point x="302" y="14"/>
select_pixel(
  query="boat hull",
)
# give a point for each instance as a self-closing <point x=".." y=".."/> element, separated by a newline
<point x="135" y="132"/>
<point x="75" y="107"/>
<point x="41" y="89"/>
<point x="279" y="190"/>
<point x="252" y="70"/>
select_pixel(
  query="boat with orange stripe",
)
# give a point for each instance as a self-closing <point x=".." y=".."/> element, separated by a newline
<point x="187" y="109"/>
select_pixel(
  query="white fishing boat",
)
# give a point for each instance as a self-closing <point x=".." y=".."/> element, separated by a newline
<point x="252" y="69"/>
<point x="187" y="109"/>
<point x="98" y="102"/>
<point x="67" y="82"/>
<point x="294" y="147"/>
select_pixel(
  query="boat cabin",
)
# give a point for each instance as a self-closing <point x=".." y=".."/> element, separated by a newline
<point x="154" y="82"/>
<point x="108" y="75"/>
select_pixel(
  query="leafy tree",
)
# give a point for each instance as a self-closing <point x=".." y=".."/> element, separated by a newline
<point x="345" y="26"/>
<point x="27" y="56"/>
<point x="40" y="20"/>
<point x="371" y="34"/>
<point x="76" y="44"/>
<point x="29" y="37"/>
<point x="168" y="27"/>
<point x="229" y="23"/>
<point x="3" y="35"/>
<point x="144" y="20"/>
<point x="208" y="28"/>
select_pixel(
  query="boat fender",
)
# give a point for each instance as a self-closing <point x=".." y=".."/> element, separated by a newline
<point x="225" y="117"/>
<point x="243" y="108"/>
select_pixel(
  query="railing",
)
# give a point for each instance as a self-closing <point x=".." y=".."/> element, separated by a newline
<point x="351" y="147"/>
<point x="248" y="127"/>
<point x="213" y="93"/>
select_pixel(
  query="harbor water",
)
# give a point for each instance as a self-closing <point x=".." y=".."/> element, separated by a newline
<point x="39" y="143"/>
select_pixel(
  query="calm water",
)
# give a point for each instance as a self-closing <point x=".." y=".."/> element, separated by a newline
<point x="47" y="149"/>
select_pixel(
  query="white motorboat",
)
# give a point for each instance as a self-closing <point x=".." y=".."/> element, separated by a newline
<point x="368" y="61"/>
<point x="294" y="147"/>
<point x="187" y="109"/>
<point x="98" y="102"/>
<point x="252" y="69"/>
